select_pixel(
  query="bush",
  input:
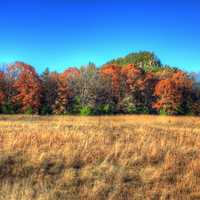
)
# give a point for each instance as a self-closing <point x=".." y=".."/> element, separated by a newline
<point x="143" y="110"/>
<point x="131" y="109"/>
<point x="29" y="111"/>
<point x="8" y="108"/>
<point x="75" y="106"/>
<point x="127" y="106"/>
<point x="105" y="109"/>
<point x="46" y="110"/>
<point x="163" y="112"/>
<point x="86" y="111"/>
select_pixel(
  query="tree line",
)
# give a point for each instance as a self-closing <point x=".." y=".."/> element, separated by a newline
<point x="136" y="84"/>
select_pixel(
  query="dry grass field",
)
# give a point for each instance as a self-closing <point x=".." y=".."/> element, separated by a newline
<point x="99" y="158"/>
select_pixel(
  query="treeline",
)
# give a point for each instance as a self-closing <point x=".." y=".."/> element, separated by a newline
<point x="136" y="84"/>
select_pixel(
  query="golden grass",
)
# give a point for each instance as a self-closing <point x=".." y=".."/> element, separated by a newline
<point x="97" y="158"/>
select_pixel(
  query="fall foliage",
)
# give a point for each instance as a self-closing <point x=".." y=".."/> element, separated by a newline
<point x="143" y="86"/>
<point x="64" y="92"/>
<point x="27" y="85"/>
<point x="173" y="92"/>
<point x="113" y="72"/>
<point x="2" y="94"/>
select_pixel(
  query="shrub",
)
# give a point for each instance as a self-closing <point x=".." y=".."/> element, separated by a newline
<point x="142" y="110"/>
<point x="106" y="109"/>
<point x="46" y="110"/>
<point x="163" y="112"/>
<point x="8" y="108"/>
<point x="29" y="111"/>
<point x="76" y="106"/>
<point x="86" y="111"/>
<point x="127" y="106"/>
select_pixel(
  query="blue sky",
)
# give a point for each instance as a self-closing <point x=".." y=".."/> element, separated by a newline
<point x="62" y="33"/>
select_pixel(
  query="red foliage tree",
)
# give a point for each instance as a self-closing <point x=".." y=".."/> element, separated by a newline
<point x="2" y="92"/>
<point x="27" y="85"/>
<point x="131" y="76"/>
<point x="173" y="93"/>
<point x="64" y="92"/>
<point x="147" y="85"/>
<point x="113" y="72"/>
<point x="139" y="86"/>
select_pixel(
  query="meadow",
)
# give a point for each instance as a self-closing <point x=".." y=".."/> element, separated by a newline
<point x="99" y="158"/>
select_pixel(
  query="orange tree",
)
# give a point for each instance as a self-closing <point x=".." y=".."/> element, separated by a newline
<point x="138" y="89"/>
<point x="113" y="72"/>
<point x="2" y="92"/>
<point x="64" y="91"/>
<point x="27" y="85"/>
<point x="173" y="94"/>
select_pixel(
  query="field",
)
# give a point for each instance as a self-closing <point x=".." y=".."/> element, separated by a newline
<point x="97" y="158"/>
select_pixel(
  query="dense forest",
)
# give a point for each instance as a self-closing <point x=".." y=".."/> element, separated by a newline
<point x="136" y="84"/>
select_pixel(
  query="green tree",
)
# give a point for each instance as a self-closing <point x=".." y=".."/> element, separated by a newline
<point x="144" y="59"/>
<point x="49" y="91"/>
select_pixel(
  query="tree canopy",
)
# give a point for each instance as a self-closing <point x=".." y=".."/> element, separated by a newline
<point x="135" y="84"/>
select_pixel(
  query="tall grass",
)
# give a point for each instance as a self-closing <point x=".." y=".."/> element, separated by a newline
<point x="97" y="158"/>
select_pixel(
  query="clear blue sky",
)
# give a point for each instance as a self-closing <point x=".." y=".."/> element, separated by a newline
<point x="62" y="33"/>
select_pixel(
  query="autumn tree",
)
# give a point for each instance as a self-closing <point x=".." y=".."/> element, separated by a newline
<point x="2" y="89"/>
<point x="64" y="91"/>
<point x="113" y="72"/>
<point x="136" y="83"/>
<point x="146" y="88"/>
<point x="85" y="85"/>
<point x="93" y="91"/>
<point x="27" y="85"/>
<point x="138" y="90"/>
<point x="173" y="94"/>
<point x="7" y="88"/>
